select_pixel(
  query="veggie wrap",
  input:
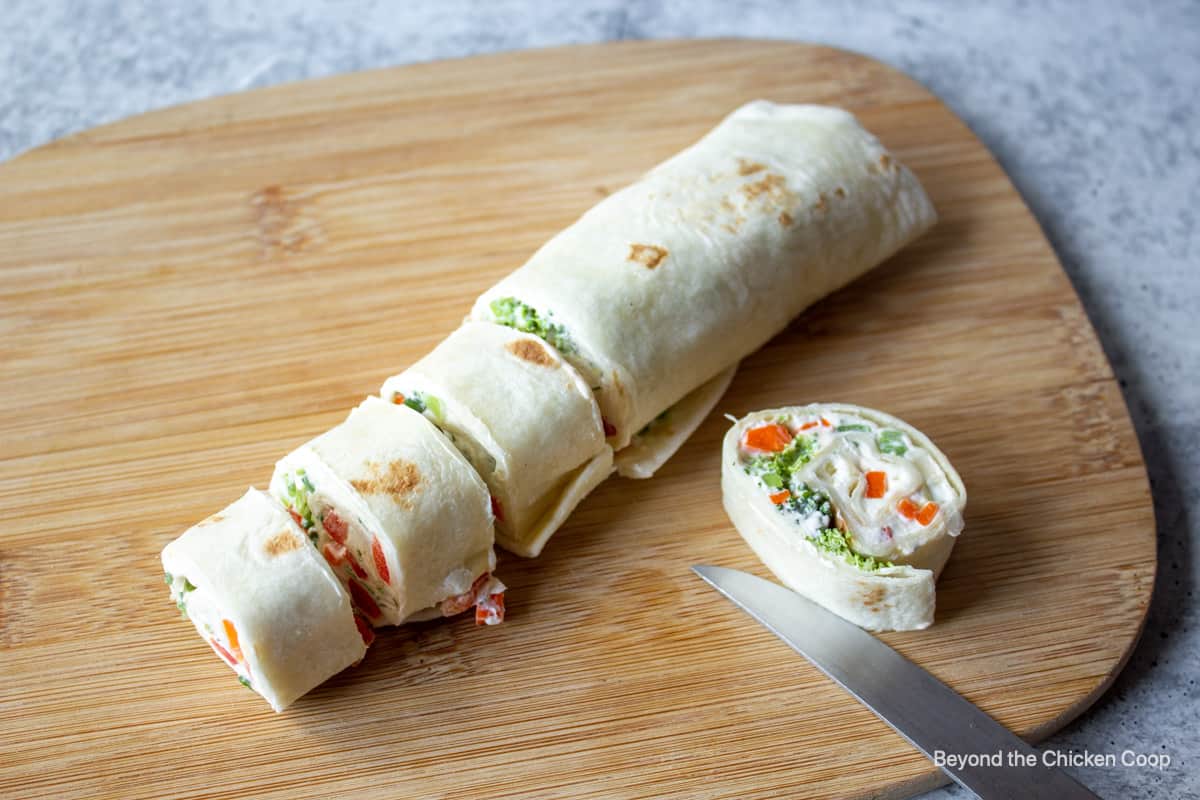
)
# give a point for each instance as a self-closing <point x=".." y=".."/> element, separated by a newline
<point x="398" y="513"/>
<point x="522" y="416"/>
<point x="263" y="598"/>
<point x="851" y="507"/>
<point x="675" y="278"/>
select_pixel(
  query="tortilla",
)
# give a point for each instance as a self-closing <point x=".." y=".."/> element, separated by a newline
<point x="675" y="278"/>
<point x="396" y="509"/>
<point x="522" y="416"/>
<point x="851" y="507"/>
<point x="261" y="595"/>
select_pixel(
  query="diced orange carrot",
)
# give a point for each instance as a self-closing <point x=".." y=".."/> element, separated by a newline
<point x="767" y="438"/>
<point x="780" y="497"/>
<point x="231" y="635"/>
<point x="397" y="398"/>
<point x="876" y="484"/>
<point x="808" y="425"/>
<point x="825" y="422"/>
<point x="927" y="513"/>
<point x="380" y="559"/>
<point x="491" y="610"/>
<point x="907" y="508"/>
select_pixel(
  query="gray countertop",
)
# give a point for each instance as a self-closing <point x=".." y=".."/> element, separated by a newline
<point x="1093" y="112"/>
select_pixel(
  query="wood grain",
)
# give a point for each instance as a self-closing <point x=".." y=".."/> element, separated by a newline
<point x="189" y="294"/>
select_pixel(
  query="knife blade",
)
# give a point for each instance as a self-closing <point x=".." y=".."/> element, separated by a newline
<point x="928" y="713"/>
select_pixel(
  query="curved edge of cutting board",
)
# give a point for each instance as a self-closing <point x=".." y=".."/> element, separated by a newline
<point x="59" y="162"/>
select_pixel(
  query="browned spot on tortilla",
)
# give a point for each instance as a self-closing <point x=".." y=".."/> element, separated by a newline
<point x="213" y="520"/>
<point x="821" y="203"/>
<point x="885" y="161"/>
<point x="648" y="255"/>
<point x="398" y="479"/>
<point x="872" y="598"/>
<point x="840" y="192"/>
<point x="749" y="167"/>
<point x="531" y="351"/>
<point x="785" y="219"/>
<point x="283" y="542"/>
<point x="770" y="185"/>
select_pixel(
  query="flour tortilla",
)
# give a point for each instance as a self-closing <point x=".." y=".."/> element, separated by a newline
<point x="391" y="472"/>
<point x="651" y="447"/>
<point x="252" y="565"/>
<point x="675" y="278"/>
<point x="522" y="416"/>
<point x="900" y="597"/>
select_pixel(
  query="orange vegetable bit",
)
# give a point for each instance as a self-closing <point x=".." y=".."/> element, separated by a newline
<point x="335" y="526"/>
<point x="927" y="513"/>
<point x="767" y="438"/>
<point x="381" y="566"/>
<point x="825" y="422"/>
<point x="907" y="508"/>
<point x="491" y="610"/>
<point x="808" y="425"/>
<point x="231" y="635"/>
<point x="397" y="398"/>
<point x="780" y="497"/>
<point x="334" y="553"/>
<point x="876" y="484"/>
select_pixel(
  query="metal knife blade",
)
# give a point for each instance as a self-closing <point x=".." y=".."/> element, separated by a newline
<point x="928" y="713"/>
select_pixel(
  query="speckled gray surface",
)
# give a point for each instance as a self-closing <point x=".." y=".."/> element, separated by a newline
<point x="1092" y="110"/>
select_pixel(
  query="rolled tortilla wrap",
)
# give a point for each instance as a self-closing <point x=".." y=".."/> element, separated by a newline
<point x="666" y="433"/>
<point x="675" y="278"/>
<point x="851" y="507"/>
<point x="522" y="416"/>
<point x="260" y="594"/>
<point x="397" y="511"/>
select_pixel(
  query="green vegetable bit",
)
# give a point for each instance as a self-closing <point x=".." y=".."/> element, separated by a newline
<point x="415" y="402"/>
<point x="808" y="501"/>
<point x="776" y="470"/>
<point x="244" y="681"/>
<point x="835" y="542"/>
<point x="854" y="427"/>
<point x="298" y="497"/>
<point x="513" y="313"/>
<point x="892" y="442"/>
<point x="169" y="578"/>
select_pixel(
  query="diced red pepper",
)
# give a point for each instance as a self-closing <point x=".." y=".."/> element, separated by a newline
<point x="335" y="526"/>
<point x="491" y="610"/>
<point x="363" y="600"/>
<point x="225" y="654"/>
<point x="298" y="519"/>
<point x="886" y="532"/>
<point x="354" y="565"/>
<point x="364" y="630"/>
<point x="497" y="511"/>
<point x="876" y="484"/>
<point x="907" y="508"/>
<point x="381" y="566"/>
<point x="461" y="602"/>
<point x="770" y="438"/>
<point x="335" y="553"/>
<point x="780" y="497"/>
<point x="927" y="513"/>
<point x="610" y="430"/>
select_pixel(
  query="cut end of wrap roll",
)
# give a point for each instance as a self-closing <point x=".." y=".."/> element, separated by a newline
<point x="851" y="507"/>
<point x="259" y="594"/>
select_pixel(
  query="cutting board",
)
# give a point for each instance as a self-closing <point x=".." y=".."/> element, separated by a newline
<point x="189" y="294"/>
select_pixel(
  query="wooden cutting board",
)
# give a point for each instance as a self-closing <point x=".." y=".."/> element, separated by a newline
<point x="189" y="294"/>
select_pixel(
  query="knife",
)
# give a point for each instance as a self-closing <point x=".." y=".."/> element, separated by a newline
<point x="928" y="713"/>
